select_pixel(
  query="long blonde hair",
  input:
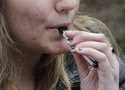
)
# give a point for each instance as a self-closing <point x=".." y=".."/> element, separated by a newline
<point x="55" y="70"/>
<point x="90" y="24"/>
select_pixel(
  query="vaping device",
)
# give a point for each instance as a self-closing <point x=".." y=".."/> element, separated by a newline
<point x="90" y="60"/>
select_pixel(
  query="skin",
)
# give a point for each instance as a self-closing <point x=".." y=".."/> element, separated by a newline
<point x="28" y="20"/>
<point x="31" y="20"/>
<point x="106" y="76"/>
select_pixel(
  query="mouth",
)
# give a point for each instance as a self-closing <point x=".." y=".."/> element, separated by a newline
<point x="60" y="28"/>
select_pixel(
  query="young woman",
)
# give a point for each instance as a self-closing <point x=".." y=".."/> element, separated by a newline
<point x="31" y="48"/>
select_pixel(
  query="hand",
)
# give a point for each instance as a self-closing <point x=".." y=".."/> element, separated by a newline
<point x="106" y="75"/>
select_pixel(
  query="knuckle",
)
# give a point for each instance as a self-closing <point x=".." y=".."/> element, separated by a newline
<point x="102" y="36"/>
<point x="103" y="57"/>
<point x="104" y="46"/>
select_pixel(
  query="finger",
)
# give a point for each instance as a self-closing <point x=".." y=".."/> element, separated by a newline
<point x="72" y="34"/>
<point x="82" y="65"/>
<point x="92" y="77"/>
<point x="100" y="57"/>
<point x="102" y="47"/>
<point x="113" y="61"/>
<point x="116" y="68"/>
<point x="116" y="63"/>
<point x="110" y="57"/>
<point x="82" y="37"/>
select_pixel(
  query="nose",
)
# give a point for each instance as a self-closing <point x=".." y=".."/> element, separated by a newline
<point x="65" y="6"/>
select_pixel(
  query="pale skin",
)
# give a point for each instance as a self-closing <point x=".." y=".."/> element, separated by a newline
<point x="29" y="22"/>
<point x="106" y="76"/>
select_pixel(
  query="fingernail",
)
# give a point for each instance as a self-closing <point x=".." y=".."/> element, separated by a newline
<point x="65" y="32"/>
<point x="73" y="50"/>
<point x="81" y="50"/>
<point x="64" y="35"/>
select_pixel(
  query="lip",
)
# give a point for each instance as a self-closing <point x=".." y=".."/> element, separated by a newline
<point x="55" y="26"/>
<point x="60" y="28"/>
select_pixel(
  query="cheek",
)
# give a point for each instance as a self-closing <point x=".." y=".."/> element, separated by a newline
<point x="34" y="37"/>
<point x="33" y="10"/>
<point x="25" y="19"/>
<point x="27" y="37"/>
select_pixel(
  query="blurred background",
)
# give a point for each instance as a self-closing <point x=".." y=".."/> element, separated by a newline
<point x="111" y="12"/>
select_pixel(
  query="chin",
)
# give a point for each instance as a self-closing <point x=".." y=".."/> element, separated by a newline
<point x="58" y="47"/>
<point x="57" y="51"/>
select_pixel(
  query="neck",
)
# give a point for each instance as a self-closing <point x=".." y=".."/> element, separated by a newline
<point x="24" y="70"/>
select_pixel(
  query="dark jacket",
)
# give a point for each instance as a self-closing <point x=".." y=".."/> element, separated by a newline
<point x="73" y="73"/>
<point x="122" y="75"/>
